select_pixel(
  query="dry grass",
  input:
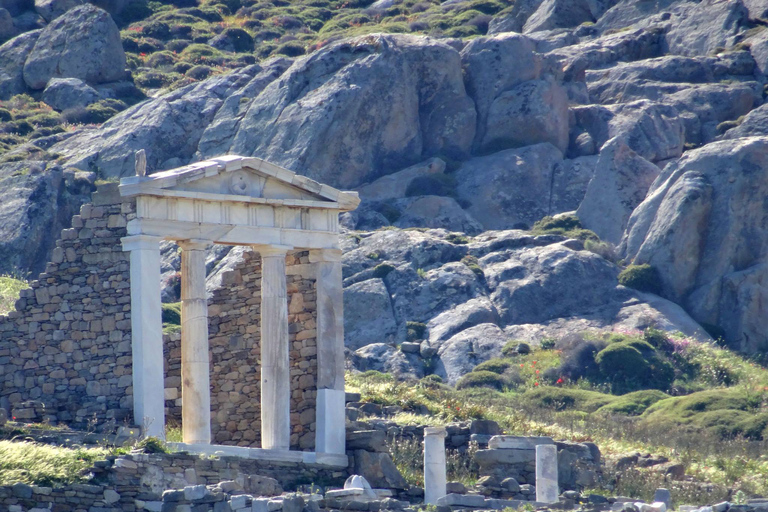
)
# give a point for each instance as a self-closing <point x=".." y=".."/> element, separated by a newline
<point x="10" y="287"/>
<point x="46" y="465"/>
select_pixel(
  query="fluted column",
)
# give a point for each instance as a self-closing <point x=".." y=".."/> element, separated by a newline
<point x="329" y="436"/>
<point x="195" y="373"/>
<point x="146" y="334"/>
<point x="275" y="359"/>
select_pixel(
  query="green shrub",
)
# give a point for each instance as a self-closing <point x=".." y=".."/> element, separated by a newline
<point x="199" y="72"/>
<point x="172" y="313"/>
<point x="657" y="338"/>
<point x="561" y="399"/>
<point x="494" y="365"/>
<point x="635" y="403"/>
<point x="416" y="330"/>
<point x="564" y="225"/>
<point x="620" y="361"/>
<point x="200" y="53"/>
<point x="152" y="445"/>
<point x="510" y="348"/>
<point x="548" y="343"/>
<point x="291" y="49"/>
<point x="391" y="213"/>
<point x="644" y="278"/>
<point x="605" y="250"/>
<point x="482" y="379"/>
<point x="382" y="270"/>
<point x="474" y="265"/>
<point x="457" y="239"/>
<point x="437" y="184"/>
<point x="5" y="115"/>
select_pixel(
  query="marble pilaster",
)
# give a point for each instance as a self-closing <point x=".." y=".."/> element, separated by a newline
<point x="329" y="438"/>
<point x="146" y="334"/>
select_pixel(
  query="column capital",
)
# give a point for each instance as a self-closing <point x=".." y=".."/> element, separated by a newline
<point x="194" y="244"/>
<point x="435" y="431"/>
<point x="320" y="255"/>
<point x="141" y="242"/>
<point x="272" y="251"/>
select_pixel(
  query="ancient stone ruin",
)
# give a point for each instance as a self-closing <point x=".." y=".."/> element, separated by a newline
<point x="86" y="342"/>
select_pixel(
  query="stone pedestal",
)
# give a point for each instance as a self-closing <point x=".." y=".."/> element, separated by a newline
<point x="196" y="389"/>
<point x="146" y="334"/>
<point x="329" y="437"/>
<point x="275" y="362"/>
<point x="434" y="464"/>
<point x="546" y="474"/>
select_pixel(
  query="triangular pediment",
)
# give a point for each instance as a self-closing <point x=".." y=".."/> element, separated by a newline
<point x="235" y="178"/>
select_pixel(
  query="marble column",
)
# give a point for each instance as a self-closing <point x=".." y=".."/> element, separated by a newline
<point x="195" y="368"/>
<point x="146" y="334"/>
<point x="275" y="359"/>
<point x="547" y="490"/>
<point x="434" y="464"/>
<point x="329" y="437"/>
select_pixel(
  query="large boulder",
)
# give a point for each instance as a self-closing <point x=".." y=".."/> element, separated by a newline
<point x="553" y="14"/>
<point x="65" y="93"/>
<point x="622" y="178"/>
<point x="537" y="284"/>
<point x="754" y="123"/>
<point x="458" y="355"/>
<point x="368" y="316"/>
<point x="510" y="188"/>
<point x="701" y="227"/>
<point x="37" y="201"/>
<point x="654" y="131"/>
<point x="708" y="26"/>
<point x="84" y="43"/>
<point x="514" y="18"/>
<point x="52" y="9"/>
<point x="435" y="212"/>
<point x="7" y="28"/>
<point x="532" y="112"/>
<point x="17" y="7"/>
<point x="494" y="65"/>
<point x="13" y="54"/>
<point x="361" y="108"/>
<point x="167" y="128"/>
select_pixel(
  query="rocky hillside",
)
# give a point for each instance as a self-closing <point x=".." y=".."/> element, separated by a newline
<point x="645" y="118"/>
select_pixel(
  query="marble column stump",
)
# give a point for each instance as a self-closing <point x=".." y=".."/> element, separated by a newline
<point x="329" y="437"/>
<point x="434" y="464"/>
<point x="195" y="367"/>
<point x="275" y="359"/>
<point x="547" y="490"/>
<point x="146" y="334"/>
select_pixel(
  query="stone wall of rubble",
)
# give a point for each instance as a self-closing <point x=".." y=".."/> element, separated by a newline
<point x="65" y="353"/>
<point x="146" y="481"/>
<point x="234" y="320"/>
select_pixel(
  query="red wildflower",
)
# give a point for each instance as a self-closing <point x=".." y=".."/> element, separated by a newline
<point x="535" y="383"/>
<point x="560" y="380"/>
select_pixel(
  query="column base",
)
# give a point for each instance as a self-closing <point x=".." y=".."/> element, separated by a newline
<point x="330" y="431"/>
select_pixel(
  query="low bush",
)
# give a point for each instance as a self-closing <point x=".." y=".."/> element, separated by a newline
<point x="565" y="225"/>
<point x="577" y="359"/>
<point x="561" y="399"/>
<point x="633" y="404"/>
<point x="382" y="270"/>
<point x="644" y="278"/>
<point x="415" y="330"/>
<point x="172" y="313"/>
<point x="494" y="365"/>
<point x="437" y="184"/>
<point x="483" y="379"/>
<point x="45" y="465"/>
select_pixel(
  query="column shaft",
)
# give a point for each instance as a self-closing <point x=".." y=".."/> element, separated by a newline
<point x="329" y="437"/>
<point x="195" y="376"/>
<point x="275" y="359"/>
<point x="146" y="334"/>
<point x="434" y="464"/>
<point x="547" y="488"/>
